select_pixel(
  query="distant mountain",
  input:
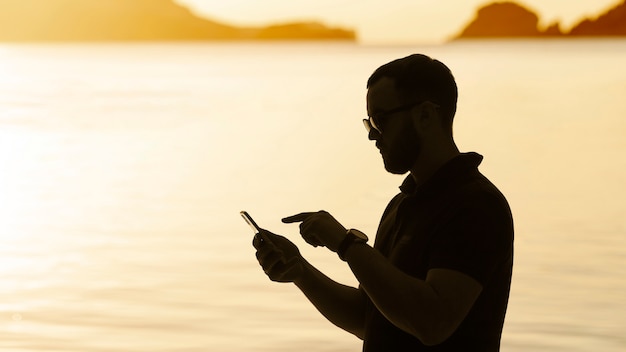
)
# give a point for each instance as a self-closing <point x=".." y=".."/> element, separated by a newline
<point x="505" y="19"/>
<point x="136" y="20"/>
<point x="509" y="19"/>
<point x="610" y="23"/>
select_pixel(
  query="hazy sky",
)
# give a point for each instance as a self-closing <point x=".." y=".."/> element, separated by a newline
<point x="393" y="21"/>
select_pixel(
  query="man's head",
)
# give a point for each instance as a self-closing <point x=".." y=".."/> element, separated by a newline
<point x="418" y="78"/>
<point x="411" y="103"/>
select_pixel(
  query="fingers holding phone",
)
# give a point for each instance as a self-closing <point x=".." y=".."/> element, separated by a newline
<point x="280" y="258"/>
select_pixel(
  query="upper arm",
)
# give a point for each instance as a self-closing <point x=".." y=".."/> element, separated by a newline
<point x="456" y="293"/>
<point x="464" y="256"/>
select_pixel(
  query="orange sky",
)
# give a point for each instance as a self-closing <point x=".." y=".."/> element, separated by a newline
<point x="384" y="21"/>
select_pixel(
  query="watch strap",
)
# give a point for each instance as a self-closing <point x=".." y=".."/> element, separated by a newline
<point x="347" y="242"/>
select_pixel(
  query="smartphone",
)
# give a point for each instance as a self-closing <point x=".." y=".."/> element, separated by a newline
<point x="250" y="221"/>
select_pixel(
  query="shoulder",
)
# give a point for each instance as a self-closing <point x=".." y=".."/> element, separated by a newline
<point x="478" y="236"/>
<point x="482" y="214"/>
<point x="481" y="195"/>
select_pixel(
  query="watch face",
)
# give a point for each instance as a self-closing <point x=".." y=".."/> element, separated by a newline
<point x="358" y="234"/>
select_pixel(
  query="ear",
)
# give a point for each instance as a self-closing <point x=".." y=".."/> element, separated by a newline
<point x="425" y="116"/>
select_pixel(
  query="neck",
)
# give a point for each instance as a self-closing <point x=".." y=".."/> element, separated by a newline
<point x="429" y="161"/>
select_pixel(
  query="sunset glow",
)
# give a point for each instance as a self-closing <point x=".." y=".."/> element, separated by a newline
<point x="133" y="132"/>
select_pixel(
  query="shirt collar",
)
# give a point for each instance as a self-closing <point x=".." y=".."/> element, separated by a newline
<point x="456" y="167"/>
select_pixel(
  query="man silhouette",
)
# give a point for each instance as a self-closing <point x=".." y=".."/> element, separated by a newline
<point x="438" y="275"/>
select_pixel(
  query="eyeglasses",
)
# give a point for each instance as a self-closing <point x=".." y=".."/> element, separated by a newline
<point x="373" y="122"/>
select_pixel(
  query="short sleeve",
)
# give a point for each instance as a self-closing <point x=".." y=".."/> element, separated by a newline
<point x="477" y="239"/>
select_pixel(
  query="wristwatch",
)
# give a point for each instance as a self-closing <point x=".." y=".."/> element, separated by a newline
<point x="352" y="236"/>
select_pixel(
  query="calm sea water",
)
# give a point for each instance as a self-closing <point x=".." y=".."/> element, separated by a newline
<point x="124" y="167"/>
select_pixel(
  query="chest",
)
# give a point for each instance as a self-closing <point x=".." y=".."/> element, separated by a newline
<point x="406" y="232"/>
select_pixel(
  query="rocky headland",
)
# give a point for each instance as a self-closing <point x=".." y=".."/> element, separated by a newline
<point x="509" y="20"/>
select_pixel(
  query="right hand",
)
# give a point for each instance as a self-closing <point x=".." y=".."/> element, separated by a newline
<point x="280" y="258"/>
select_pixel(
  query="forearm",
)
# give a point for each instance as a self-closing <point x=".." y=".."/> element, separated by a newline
<point x="408" y="303"/>
<point x="342" y="305"/>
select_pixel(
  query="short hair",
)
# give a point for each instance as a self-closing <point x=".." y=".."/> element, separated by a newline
<point x="419" y="77"/>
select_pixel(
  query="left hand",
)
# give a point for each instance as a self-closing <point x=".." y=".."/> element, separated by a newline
<point x="319" y="229"/>
<point x="280" y="258"/>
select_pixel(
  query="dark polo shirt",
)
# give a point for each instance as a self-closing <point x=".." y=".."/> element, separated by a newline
<point x="456" y="220"/>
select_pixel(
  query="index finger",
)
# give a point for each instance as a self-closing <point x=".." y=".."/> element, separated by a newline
<point x="297" y="217"/>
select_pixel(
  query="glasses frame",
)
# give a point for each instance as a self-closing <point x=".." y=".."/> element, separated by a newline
<point x="374" y="121"/>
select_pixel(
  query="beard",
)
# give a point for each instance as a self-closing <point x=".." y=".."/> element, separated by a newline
<point x="400" y="156"/>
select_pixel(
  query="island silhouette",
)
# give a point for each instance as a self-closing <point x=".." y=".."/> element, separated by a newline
<point x="508" y="20"/>
<point x="137" y="20"/>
